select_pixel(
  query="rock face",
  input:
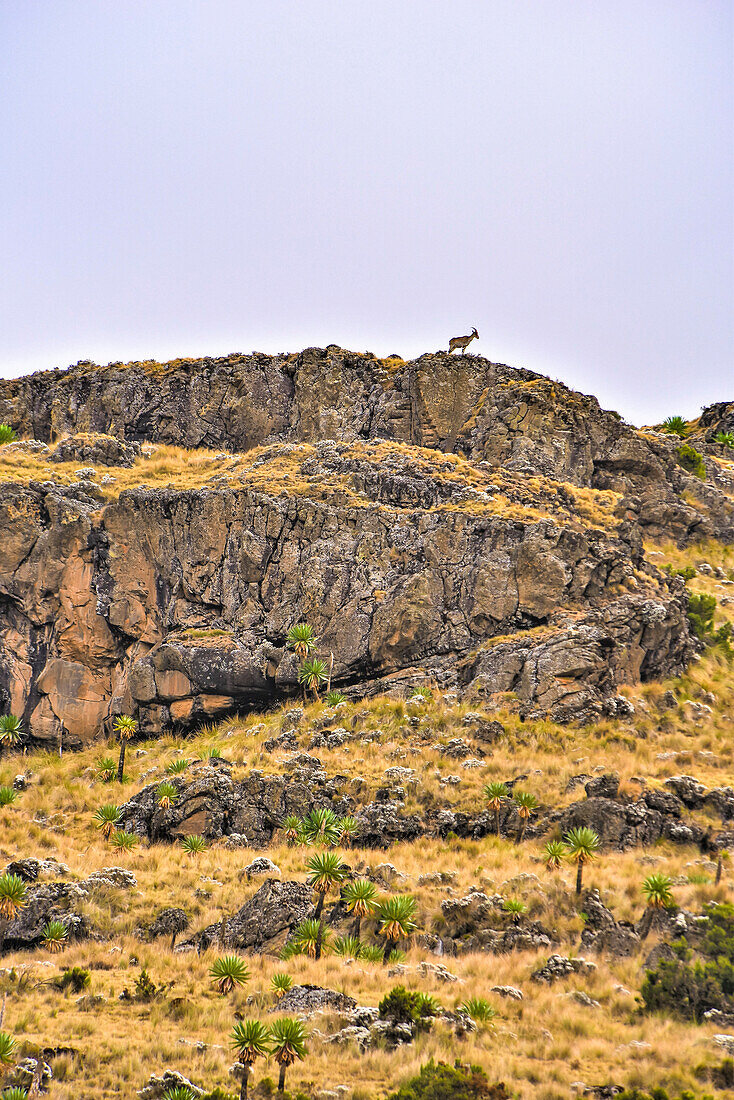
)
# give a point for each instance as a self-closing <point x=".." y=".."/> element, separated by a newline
<point x="176" y="604"/>
<point x="465" y="404"/>
<point x="210" y="804"/>
<point x="264" y="922"/>
<point x="623" y="822"/>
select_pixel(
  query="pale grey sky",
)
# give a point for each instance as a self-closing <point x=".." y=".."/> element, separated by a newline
<point x="186" y="177"/>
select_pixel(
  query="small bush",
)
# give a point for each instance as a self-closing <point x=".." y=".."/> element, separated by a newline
<point x="701" y="615"/>
<point x="689" y="987"/>
<point x="691" y="460"/>
<point x="76" y="979"/>
<point x="7" y="435"/>
<point x="440" y="1081"/>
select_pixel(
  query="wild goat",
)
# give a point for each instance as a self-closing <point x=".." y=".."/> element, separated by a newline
<point x="462" y="341"/>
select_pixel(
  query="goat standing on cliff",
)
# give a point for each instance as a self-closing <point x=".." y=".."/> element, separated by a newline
<point x="462" y="342"/>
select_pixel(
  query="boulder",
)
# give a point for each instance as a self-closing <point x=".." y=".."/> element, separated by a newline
<point x="602" y="932"/>
<point x="263" y="923"/>
<point x="306" y="1000"/>
<point x="559" y="966"/>
<point x="157" y="1087"/>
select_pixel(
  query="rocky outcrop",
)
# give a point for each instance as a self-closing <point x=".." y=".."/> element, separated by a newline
<point x="559" y="966"/>
<point x="263" y="923"/>
<point x="463" y="404"/>
<point x="306" y="1000"/>
<point x="212" y="805"/>
<point x="623" y="822"/>
<point x="409" y="565"/>
<point x="602" y="932"/>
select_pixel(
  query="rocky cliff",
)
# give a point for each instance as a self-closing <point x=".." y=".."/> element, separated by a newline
<point x="447" y="519"/>
<point x="465" y="404"/>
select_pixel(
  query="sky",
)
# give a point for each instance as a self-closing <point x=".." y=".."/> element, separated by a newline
<point x="197" y="177"/>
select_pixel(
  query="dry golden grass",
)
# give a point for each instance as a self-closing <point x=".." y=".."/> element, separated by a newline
<point x="281" y="469"/>
<point x="539" y="1046"/>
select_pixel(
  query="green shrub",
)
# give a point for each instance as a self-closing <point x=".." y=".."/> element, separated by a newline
<point x="687" y="573"/>
<point x="76" y="978"/>
<point x="691" y="460"/>
<point x="440" y="1081"/>
<point x="688" y="986"/>
<point x="7" y="435"/>
<point x="400" y="1005"/>
<point x="727" y="438"/>
<point x="701" y="615"/>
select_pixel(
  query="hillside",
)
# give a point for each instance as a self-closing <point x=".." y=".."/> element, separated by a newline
<point x="505" y="583"/>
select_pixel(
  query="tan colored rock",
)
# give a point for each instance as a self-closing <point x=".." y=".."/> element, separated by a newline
<point x="171" y="684"/>
<point x="76" y="696"/>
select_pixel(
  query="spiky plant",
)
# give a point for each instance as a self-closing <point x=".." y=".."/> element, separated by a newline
<point x="177" y="766"/>
<point x="372" y="952"/>
<point x="347" y="947"/>
<point x="310" y="938"/>
<point x="526" y="803"/>
<point x="479" y="1009"/>
<point x="675" y="425"/>
<point x="211" y="753"/>
<point x="312" y="674"/>
<point x="334" y="698"/>
<point x="124" y="727"/>
<point x="348" y="828"/>
<point x="583" y="844"/>
<point x="657" y="890"/>
<point x="326" y="872"/>
<point x="292" y="826"/>
<point x="7" y="434"/>
<point x="555" y="852"/>
<point x="280" y="983"/>
<point x="427" y="1005"/>
<point x="13" y="896"/>
<point x="179" y="1092"/>
<point x="105" y="769"/>
<point x="11" y="731"/>
<point x="726" y="438"/>
<point x="395" y="920"/>
<point x="302" y="640"/>
<point x="251" y="1040"/>
<point x="515" y="908"/>
<point x="494" y="792"/>
<point x="15" y="1092"/>
<point x="55" y="936"/>
<point x="106" y="819"/>
<point x="166" y="794"/>
<point x="123" y="841"/>
<point x="360" y="898"/>
<point x="228" y="971"/>
<point x="7" y="1050"/>
<point x="7" y="796"/>
<point x="321" y="827"/>
<point x="193" y="845"/>
<point x="287" y="1044"/>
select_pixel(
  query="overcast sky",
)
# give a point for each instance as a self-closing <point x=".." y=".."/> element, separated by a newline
<point x="193" y="177"/>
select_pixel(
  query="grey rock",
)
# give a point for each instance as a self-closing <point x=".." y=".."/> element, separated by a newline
<point x="157" y="1087"/>
<point x="261" y="866"/>
<point x="264" y="922"/>
<point x="508" y="991"/>
<point x="559" y="966"/>
<point x="305" y="1000"/>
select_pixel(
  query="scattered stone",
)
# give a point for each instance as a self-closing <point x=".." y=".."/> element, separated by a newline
<point x="305" y="1000"/>
<point x="559" y="966"/>
<point x="508" y="991"/>
<point x="157" y="1087"/>
<point x="261" y="866"/>
<point x="726" y="1042"/>
<point x="436" y="970"/>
